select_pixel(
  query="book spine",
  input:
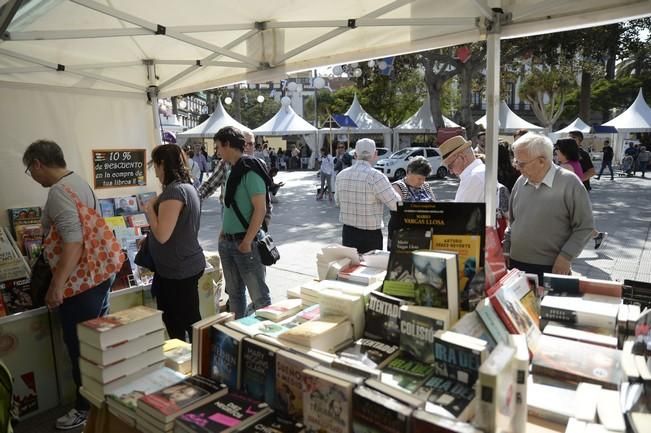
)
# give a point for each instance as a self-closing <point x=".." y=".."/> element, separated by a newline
<point x="486" y="418"/>
<point x="521" y="372"/>
<point x="558" y="314"/>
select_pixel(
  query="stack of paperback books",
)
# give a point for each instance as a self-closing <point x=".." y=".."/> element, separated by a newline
<point x="119" y="348"/>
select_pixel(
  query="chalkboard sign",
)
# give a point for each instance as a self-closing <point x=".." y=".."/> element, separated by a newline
<point x="119" y="168"/>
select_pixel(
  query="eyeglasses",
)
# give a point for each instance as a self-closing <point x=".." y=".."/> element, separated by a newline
<point x="451" y="163"/>
<point x="28" y="170"/>
<point x="522" y="164"/>
<point x="248" y="143"/>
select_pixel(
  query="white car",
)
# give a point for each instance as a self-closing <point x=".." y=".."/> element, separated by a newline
<point x="395" y="166"/>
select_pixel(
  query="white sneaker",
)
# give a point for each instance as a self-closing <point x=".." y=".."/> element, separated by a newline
<point x="73" y="419"/>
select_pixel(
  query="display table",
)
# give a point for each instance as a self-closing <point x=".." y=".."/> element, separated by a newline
<point x="100" y="420"/>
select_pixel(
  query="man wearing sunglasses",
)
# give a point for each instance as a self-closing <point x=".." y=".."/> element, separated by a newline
<point x="550" y="217"/>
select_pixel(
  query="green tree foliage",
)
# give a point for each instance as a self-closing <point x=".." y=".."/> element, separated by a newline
<point x="545" y="89"/>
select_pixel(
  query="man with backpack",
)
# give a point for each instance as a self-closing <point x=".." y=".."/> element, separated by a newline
<point x="245" y="207"/>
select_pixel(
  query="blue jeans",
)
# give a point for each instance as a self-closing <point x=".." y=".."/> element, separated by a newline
<point x="242" y="271"/>
<point x="605" y="164"/>
<point x="87" y="305"/>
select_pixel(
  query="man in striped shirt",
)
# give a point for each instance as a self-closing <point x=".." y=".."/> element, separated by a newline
<point x="361" y="193"/>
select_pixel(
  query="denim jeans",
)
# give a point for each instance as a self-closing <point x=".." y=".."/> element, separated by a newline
<point x="608" y="164"/>
<point x="242" y="271"/>
<point x="87" y="305"/>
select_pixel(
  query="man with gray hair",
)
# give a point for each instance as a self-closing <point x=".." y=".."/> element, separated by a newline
<point x="551" y="215"/>
<point x="361" y="194"/>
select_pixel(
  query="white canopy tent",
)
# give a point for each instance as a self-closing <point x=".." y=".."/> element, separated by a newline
<point x="208" y="128"/>
<point x="421" y="122"/>
<point x="577" y="125"/>
<point x="366" y="124"/>
<point x="287" y="122"/>
<point x="636" y="118"/>
<point x="122" y="50"/>
<point x="509" y="122"/>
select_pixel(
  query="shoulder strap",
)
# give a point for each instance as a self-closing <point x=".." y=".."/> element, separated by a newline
<point x="239" y="215"/>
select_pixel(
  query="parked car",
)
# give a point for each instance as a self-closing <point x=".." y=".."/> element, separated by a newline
<point x="395" y="166"/>
<point x="381" y="151"/>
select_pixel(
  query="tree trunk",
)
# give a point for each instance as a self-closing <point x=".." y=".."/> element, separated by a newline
<point x="584" y="99"/>
<point x="465" y="85"/>
<point x="237" y="110"/>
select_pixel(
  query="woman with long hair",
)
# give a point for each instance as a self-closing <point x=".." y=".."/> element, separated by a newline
<point x="567" y="152"/>
<point x="174" y="218"/>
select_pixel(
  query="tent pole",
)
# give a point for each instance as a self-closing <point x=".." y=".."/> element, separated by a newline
<point x="492" y="113"/>
<point x="152" y="95"/>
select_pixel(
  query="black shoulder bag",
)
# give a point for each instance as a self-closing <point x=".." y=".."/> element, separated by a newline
<point x="269" y="254"/>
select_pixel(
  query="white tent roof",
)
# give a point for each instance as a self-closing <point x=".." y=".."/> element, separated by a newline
<point x="364" y="121"/>
<point x="214" y="123"/>
<point x="285" y="122"/>
<point x="509" y="121"/>
<point x="637" y="118"/>
<point x="171" y="123"/>
<point x="182" y="47"/>
<point x="577" y="125"/>
<point x="422" y="121"/>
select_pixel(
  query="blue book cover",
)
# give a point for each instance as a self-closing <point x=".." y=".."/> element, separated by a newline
<point x="107" y="207"/>
<point x="225" y="357"/>
<point x="259" y="371"/>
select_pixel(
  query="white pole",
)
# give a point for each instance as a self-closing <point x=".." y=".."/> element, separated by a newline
<point x="492" y="117"/>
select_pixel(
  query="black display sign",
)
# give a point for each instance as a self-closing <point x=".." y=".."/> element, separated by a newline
<point x="119" y="168"/>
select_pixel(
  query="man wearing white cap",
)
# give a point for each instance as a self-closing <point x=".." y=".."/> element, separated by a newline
<point x="460" y="159"/>
<point x="361" y="193"/>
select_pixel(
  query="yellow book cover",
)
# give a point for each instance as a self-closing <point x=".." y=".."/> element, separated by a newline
<point x="115" y="221"/>
<point x="468" y="249"/>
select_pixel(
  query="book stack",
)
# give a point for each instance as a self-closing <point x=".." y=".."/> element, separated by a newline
<point x="120" y="347"/>
<point x="361" y="274"/>
<point x="202" y="342"/>
<point x="178" y="356"/>
<point x="333" y="258"/>
<point x="156" y="412"/>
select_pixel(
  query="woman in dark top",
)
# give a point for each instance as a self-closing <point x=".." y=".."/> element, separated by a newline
<point x="173" y="242"/>
<point x="412" y="188"/>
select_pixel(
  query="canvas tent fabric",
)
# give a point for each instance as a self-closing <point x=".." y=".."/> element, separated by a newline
<point x="576" y="125"/>
<point x="421" y="122"/>
<point x="636" y="118"/>
<point x="208" y="128"/>
<point x="116" y="50"/>
<point x="509" y="122"/>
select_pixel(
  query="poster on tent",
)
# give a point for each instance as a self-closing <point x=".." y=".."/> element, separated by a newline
<point x="119" y="168"/>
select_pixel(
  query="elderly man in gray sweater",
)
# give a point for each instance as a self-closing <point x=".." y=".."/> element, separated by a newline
<point x="551" y="215"/>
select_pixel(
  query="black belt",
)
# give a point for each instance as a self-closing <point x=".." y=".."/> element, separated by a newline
<point x="234" y="236"/>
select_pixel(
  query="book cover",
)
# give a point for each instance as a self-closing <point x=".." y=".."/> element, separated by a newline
<point x="417" y="328"/>
<point x="129" y="394"/>
<point x="259" y="371"/>
<point x="335" y="303"/>
<point x="361" y="274"/>
<point x="16" y="295"/>
<point x="143" y="198"/>
<point x="324" y="333"/>
<point x="120" y="326"/>
<point x="226" y="355"/>
<point x="406" y="373"/>
<point x="589" y="310"/>
<point x="368" y="353"/>
<point x="327" y="403"/>
<point x="107" y="207"/>
<point x="202" y="347"/>
<point x="458" y="356"/>
<point x="28" y="232"/>
<point x="471" y="324"/>
<point x="521" y="373"/>
<point x="374" y="412"/>
<point x="169" y="402"/>
<point x="178" y="355"/>
<point x="126" y="205"/>
<point x="515" y="316"/>
<point x="289" y="383"/>
<point x="469" y="253"/>
<point x="23" y="216"/>
<point x="273" y="423"/>
<point x="137" y="220"/>
<point x="400" y="280"/>
<point x="492" y="321"/>
<point x="448" y="397"/>
<point x="436" y="280"/>
<point x="383" y="318"/>
<point x="115" y="222"/>
<point x="574" y="361"/>
<point x="229" y="412"/>
<point x="280" y="310"/>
